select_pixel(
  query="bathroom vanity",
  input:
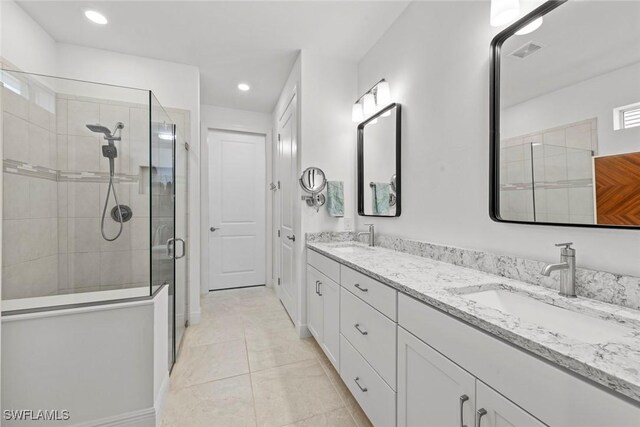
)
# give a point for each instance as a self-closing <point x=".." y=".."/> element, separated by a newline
<point x="420" y="342"/>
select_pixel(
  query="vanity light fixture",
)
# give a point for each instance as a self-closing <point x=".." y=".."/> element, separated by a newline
<point x="356" y="113"/>
<point x="243" y="87"/>
<point x="373" y="100"/>
<point x="368" y="104"/>
<point x="504" y="12"/>
<point x="530" y="28"/>
<point x="96" y="17"/>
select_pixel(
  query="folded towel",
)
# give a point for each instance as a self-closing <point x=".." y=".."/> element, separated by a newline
<point x="381" y="197"/>
<point x="335" y="199"/>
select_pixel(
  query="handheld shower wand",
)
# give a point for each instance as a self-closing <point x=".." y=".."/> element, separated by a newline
<point x="110" y="151"/>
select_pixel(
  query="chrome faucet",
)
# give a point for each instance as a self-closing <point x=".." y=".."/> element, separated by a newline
<point x="567" y="266"/>
<point x="371" y="233"/>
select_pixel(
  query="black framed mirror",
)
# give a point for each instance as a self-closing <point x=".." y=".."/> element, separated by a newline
<point x="565" y="116"/>
<point x="379" y="184"/>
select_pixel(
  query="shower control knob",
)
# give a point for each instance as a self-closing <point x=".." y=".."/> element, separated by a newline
<point x="213" y="229"/>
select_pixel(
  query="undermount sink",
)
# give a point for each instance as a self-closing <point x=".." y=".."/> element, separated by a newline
<point x="582" y="327"/>
<point x="351" y="247"/>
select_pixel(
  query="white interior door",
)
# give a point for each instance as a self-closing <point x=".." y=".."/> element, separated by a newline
<point x="237" y="247"/>
<point x="287" y="288"/>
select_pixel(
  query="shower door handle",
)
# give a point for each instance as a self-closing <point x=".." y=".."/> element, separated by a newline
<point x="170" y="245"/>
<point x="184" y="248"/>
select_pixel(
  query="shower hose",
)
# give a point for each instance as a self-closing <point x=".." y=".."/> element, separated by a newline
<point x="104" y="211"/>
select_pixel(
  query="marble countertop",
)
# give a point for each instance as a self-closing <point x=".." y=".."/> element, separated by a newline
<point x="615" y="364"/>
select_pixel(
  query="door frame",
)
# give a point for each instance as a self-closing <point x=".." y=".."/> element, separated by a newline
<point x="298" y="274"/>
<point x="209" y="213"/>
<point x="255" y="129"/>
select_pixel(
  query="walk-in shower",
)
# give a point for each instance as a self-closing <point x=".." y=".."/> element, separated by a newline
<point x="119" y="213"/>
<point x="89" y="181"/>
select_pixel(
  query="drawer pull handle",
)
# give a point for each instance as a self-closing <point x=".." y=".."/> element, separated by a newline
<point x="317" y="281"/>
<point x="357" y="380"/>
<point x="319" y="293"/>
<point x="481" y="413"/>
<point x="357" y="285"/>
<point x="357" y="326"/>
<point x="463" y="399"/>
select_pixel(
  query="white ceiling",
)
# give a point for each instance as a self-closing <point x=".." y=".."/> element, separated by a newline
<point x="580" y="40"/>
<point x="230" y="41"/>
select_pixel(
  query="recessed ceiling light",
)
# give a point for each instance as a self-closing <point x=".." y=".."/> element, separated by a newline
<point x="244" y="87"/>
<point x="95" y="17"/>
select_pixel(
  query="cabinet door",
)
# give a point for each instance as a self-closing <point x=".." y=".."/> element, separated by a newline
<point x="314" y="304"/>
<point x="330" y="292"/>
<point x="494" y="410"/>
<point x="432" y="390"/>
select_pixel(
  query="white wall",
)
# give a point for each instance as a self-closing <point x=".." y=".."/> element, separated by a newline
<point x="596" y="97"/>
<point x="436" y="58"/>
<point x="328" y="134"/>
<point x="25" y="43"/>
<point x="219" y="118"/>
<point x="96" y="362"/>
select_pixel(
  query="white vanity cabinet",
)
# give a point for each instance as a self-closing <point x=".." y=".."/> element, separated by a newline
<point x="412" y="365"/>
<point x="433" y="391"/>
<point x="323" y="312"/>
<point x="522" y="390"/>
<point x="494" y="410"/>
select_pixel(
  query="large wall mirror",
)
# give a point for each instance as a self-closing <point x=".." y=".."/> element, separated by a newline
<point x="565" y="116"/>
<point x="379" y="163"/>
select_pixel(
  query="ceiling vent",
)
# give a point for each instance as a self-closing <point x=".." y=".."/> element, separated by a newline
<point x="526" y="50"/>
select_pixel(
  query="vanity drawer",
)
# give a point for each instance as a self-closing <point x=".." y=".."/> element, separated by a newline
<point x="371" y="333"/>
<point x="324" y="264"/>
<point x="375" y="397"/>
<point x="378" y="295"/>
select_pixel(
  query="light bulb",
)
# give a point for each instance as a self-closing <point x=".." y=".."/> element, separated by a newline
<point x="368" y="104"/>
<point x="96" y="17"/>
<point x="383" y="94"/>
<point x="530" y="28"/>
<point x="504" y="12"/>
<point x="356" y="113"/>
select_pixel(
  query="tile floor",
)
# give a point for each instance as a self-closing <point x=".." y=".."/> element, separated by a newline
<point x="244" y="365"/>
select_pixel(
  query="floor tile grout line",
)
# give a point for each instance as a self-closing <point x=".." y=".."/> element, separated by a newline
<point x="253" y="395"/>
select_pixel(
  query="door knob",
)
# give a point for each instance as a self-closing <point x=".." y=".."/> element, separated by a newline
<point x="292" y="238"/>
<point x="213" y="229"/>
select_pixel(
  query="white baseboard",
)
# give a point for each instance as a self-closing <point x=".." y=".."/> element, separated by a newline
<point x="142" y="418"/>
<point x="303" y="331"/>
<point x="194" y="317"/>
<point x="161" y="399"/>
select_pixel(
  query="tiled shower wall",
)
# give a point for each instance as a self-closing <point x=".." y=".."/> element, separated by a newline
<point x="30" y="208"/>
<point x="562" y="168"/>
<point x="55" y="185"/>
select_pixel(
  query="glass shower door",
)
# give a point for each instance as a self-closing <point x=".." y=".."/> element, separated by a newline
<point x="162" y="184"/>
<point x="181" y="221"/>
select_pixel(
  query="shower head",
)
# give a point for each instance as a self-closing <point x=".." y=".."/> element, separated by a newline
<point x="108" y="135"/>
